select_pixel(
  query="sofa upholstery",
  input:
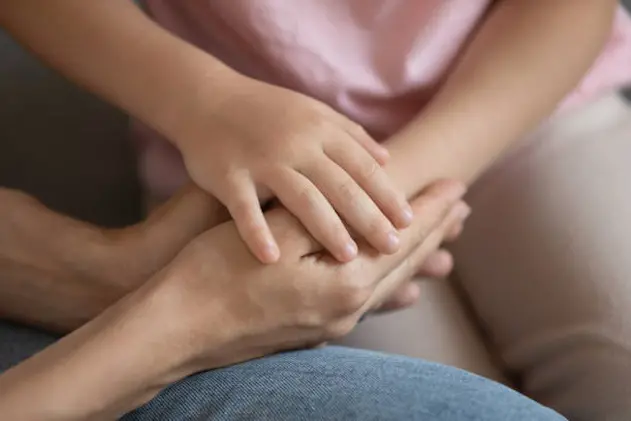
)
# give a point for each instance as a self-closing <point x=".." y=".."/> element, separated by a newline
<point x="63" y="145"/>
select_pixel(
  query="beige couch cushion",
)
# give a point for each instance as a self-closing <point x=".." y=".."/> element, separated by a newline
<point x="438" y="328"/>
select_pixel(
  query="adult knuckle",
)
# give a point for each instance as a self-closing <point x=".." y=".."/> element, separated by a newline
<point x="351" y="297"/>
<point x="312" y="319"/>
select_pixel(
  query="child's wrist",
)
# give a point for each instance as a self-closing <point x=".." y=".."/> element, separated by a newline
<point x="194" y="108"/>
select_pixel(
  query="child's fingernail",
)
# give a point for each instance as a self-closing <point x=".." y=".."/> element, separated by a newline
<point x="271" y="253"/>
<point x="350" y="251"/>
<point x="393" y="241"/>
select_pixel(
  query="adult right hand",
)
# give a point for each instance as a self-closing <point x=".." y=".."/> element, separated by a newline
<point x="218" y="305"/>
<point x="215" y="305"/>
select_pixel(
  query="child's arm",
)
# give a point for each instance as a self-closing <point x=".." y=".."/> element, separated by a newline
<point x="114" y="50"/>
<point x="525" y="58"/>
<point x="242" y="140"/>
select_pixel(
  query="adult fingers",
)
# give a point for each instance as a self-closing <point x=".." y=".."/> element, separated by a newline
<point x="416" y="258"/>
<point x="430" y="209"/>
<point x="438" y="265"/>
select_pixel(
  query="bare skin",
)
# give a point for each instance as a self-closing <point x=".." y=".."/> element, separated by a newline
<point x="101" y="370"/>
<point x="59" y="273"/>
<point x="525" y="57"/>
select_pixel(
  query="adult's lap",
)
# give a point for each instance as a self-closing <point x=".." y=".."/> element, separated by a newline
<point x="324" y="384"/>
<point x="339" y="384"/>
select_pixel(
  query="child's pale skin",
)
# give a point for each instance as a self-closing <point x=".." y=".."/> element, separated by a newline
<point x="239" y="144"/>
<point x="503" y="87"/>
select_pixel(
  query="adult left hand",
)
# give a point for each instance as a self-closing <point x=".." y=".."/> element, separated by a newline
<point x="438" y="265"/>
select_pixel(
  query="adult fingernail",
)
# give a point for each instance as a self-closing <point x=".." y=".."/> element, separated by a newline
<point x="350" y="251"/>
<point x="393" y="241"/>
<point x="456" y="191"/>
<point x="408" y="214"/>
<point x="464" y="211"/>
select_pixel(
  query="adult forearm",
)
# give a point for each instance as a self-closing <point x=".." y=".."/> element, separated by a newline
<point x="53" y="270"/>
<point x="160" y="333"/>
<point x="526" y="57"/>
<point x="114" y="50"/>
<point x="58" y="273"/>
<point x="101" y="371"/>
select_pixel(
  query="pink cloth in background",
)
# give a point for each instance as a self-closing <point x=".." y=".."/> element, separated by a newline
<point x="376" y="61"/>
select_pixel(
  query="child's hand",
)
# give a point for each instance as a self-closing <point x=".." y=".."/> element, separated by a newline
<point x="264" y="142"/>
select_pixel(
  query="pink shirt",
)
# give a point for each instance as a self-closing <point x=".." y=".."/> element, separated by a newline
<point x="376" y="61"/>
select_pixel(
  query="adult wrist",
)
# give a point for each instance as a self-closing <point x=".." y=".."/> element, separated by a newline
<point x="184" y="349"/>
<point x="52" y="266"/>
<point x="112" y="365"/>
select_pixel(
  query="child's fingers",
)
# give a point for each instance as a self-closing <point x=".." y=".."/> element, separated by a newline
<point x="307" y="203"/>
<point x="373" y="180"/>
<point x="419" y="253"/>
<point x="432" y="208"/>
<point x="378" y="152"/>
<point x="354" y="205"/>
<point x="244" y="207"/>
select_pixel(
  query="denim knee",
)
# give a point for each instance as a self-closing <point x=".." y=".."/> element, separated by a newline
<point x="340" y="384"/>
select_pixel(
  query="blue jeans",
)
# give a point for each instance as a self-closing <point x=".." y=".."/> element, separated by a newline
<point x="327" y="384"/>
<point x="340" y="384"/>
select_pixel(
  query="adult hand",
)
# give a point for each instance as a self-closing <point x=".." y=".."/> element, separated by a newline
<point x="137" y="252"/>
<point x="218" y="305"/>
<point x="58" y="273"/>
<point x="438" y="265"/>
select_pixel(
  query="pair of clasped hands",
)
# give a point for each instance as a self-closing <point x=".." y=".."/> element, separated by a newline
<point x="293" y="276"/>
